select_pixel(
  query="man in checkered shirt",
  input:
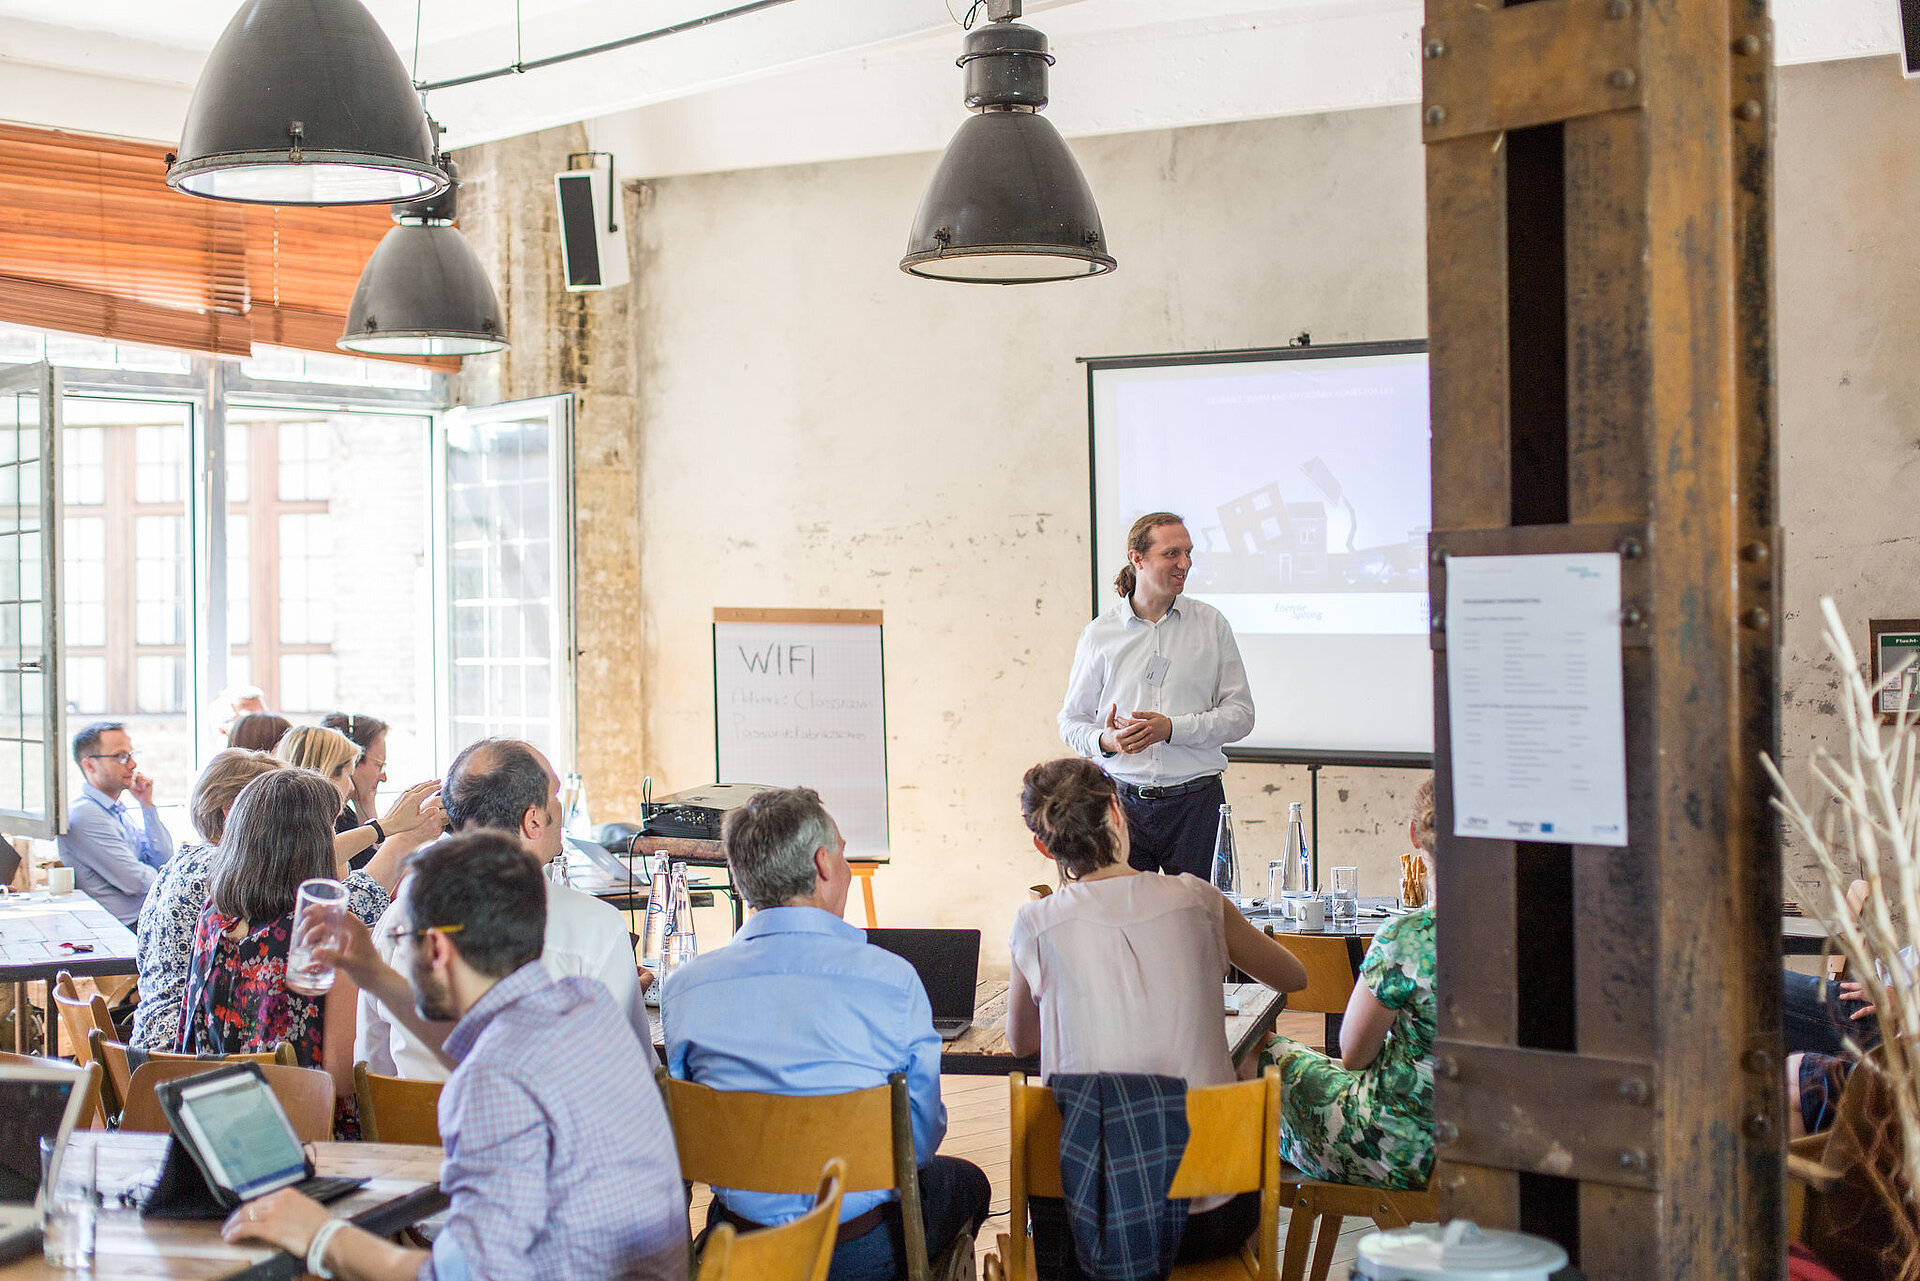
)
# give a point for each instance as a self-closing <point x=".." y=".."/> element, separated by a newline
<point x="559" y="1159"/>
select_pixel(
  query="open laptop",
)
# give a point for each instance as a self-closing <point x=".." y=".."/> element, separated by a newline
<point x="948" y="963"/>
<point x="36" y="1102"/>
<point x="235" y="1131"/>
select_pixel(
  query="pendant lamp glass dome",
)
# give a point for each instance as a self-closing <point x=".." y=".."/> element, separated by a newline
<point x="1007" y="204"/>
<point x="423" y="292"/>
<point x="305" y="102"/>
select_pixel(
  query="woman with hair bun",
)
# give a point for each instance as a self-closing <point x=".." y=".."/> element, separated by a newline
<point x="1120" y="971"/>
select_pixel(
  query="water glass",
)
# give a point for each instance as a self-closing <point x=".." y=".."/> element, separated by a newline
<point x="70" y="1208"/>
<point x="1277" y="887"/>
<point x="1346" y="897"/>
<point x="317" y="914"/>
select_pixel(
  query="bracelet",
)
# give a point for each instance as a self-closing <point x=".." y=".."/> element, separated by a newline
<point x="379" y="835"/>
<point x="317" y="1248"/>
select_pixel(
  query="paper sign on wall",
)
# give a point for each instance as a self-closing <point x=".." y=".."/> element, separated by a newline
<point x="1534" y="698"/>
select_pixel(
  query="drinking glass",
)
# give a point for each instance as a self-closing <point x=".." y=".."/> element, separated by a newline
<point x="1346" y="897"/>
<point x="1277" y="887"/>
<point x="70" y="1208"/>
<point x="317" y="913"/>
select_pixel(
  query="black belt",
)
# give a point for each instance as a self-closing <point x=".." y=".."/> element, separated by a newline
<point x="850" y="1229"/>
<point x="1153" y="793"/>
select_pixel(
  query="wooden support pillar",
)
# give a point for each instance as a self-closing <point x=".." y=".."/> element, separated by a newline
<point x="1599" y="284"/>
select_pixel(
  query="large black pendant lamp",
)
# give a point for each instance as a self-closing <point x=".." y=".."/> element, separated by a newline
<point x="305" y="102"/>
<point x="423" y="293"/>
<point x="1007" y="204"/>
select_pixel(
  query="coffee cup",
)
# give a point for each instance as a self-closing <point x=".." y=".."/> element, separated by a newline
<point x="59" y="880"/>
<point x="1311" y="913"/>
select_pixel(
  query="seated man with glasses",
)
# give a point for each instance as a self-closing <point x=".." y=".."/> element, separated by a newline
<point x="558" y="1156"/>
<point x="115" y="856"/>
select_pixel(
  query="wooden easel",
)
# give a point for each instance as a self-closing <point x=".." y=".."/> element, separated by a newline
<point x="1599" y="268"/>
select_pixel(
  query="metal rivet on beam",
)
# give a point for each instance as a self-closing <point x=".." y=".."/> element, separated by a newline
<point x="1758" y="1062"/>
<point x="1617" y="9"/>
<point x="1635" y="1090"/>
<point x="1630" y="549"/>
<point x="1750" y="110"/>
<point x="1446" y="1133"/>
<point x="1435" y="48"/>
<point x="1758" y="619"/>
<point x="1633" y="1159"/>
<point x="1622" y="79"/>
<point x="1746" y="46"/>
<point x="1758" y="1126"/>
<point x="1754" y="553"/>
<point x="1436" y="114"/>
<point x="1631" y="616"/>
<point x="1448" y="1066"/>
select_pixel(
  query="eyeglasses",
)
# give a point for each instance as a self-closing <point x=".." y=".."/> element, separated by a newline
<point x="125" y="758"/>
<point x="396" y="936"/>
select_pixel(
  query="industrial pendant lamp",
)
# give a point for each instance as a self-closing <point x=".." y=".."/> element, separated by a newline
<point x="1007" y="205"/>
<point x="305" y="102"/>
<point x="423" y="293"/>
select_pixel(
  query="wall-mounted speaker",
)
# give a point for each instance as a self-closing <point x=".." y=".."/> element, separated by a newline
<point x="593" y="250"/>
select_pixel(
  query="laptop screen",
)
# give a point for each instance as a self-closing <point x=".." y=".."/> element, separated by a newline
<point x="948" y="962"/>
<point x="242" y="1134"/>
<point x="31" y="1109"/>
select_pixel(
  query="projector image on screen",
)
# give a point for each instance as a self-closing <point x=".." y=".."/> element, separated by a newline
<point x="1303" y="478"/>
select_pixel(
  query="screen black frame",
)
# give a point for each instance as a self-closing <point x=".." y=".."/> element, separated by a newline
<point x="1305" y="351"/>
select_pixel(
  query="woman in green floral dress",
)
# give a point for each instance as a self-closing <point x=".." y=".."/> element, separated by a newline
<point x="1368" y="1116"/>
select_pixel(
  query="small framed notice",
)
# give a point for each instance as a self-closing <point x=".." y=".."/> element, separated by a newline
<point x="1535" y="698"/>
<point x="1895" y="643"/>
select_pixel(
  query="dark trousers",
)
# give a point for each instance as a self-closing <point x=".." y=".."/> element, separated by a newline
<point x="1175" y="834"/>
<point x="953" y="1199"/>
<point x="1214" y="1234"/>
<point x="1817" y="1020"/>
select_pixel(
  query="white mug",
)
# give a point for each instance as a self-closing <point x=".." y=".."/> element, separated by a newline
<point x="1311" y="913"/>
<point x="59" y="880"/>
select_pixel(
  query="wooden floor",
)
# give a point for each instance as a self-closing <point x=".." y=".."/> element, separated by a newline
<point x="977" y="1131"/>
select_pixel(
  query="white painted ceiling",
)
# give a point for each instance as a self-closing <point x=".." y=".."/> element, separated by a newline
<point x="809" y="80"/>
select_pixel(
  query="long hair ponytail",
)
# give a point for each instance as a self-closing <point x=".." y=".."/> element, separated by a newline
<point x="1140" y="539"/>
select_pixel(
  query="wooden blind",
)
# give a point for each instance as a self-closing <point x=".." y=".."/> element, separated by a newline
<point x="93" y="241"/>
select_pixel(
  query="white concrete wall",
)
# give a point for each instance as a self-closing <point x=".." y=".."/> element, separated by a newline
<point x="821" y="430"/>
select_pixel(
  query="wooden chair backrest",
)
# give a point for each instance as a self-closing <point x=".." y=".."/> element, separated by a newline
<point x="1233" y="1146"/>
<point x="91" y="1115"/>
<point x="305" y="1093"/>
<point x="1329" y="973"/>
<point x="396" y="1110"/>
<point x="81" y="1016"/>
<point x="798" y="1251"/>
<point x="778" y="1142"/>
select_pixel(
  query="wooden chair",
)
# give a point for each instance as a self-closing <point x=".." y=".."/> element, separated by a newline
<point x="1233" y="1146"/>
<point x="111" y="1055"/>
<point x="777" y="1143"/>
<point x="81" y="1016"/>
<point x="396" y="1110"/>
<point x="92" y="1117"/>
<point x="798" y="1251"/>
<point x="305" y="1093"/>
<point x="1327" y="1205"/>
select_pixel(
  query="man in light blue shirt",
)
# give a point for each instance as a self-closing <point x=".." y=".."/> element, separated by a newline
<point x="114" y="855"/>
<point x="800" y="1003"/>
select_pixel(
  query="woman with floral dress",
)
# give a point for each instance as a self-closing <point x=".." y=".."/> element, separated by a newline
<point x="1368" y="1116"/>
<point x="279" y="833"/>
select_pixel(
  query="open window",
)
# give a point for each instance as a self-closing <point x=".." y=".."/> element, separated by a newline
<point x="31" y="783"/>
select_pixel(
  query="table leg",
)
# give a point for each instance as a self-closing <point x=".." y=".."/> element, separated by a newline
<point x="53" y="1025"/>
<point x="20" y="1008"/>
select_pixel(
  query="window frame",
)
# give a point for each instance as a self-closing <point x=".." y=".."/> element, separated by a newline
<point x="43" y="380"/>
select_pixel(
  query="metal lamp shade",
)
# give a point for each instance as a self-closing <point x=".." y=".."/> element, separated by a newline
<point x="423" y="294"/>
<point x="1007" y="205"/>
<point x="305" y="102"/>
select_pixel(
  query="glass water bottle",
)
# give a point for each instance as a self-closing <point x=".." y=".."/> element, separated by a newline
<point x="1299" y="859"/>
<point x="1226" y="858"/>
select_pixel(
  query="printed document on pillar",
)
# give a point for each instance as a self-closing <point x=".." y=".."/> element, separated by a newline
<point x="1534" y="698"/>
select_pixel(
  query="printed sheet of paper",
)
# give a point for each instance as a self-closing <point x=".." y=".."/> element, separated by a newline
<point x="1537" y="713"/>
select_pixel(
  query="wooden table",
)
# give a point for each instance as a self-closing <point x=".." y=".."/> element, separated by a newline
<point x="42" y="934"/>
<point x="982" y="1049"/>
<point x="131" y="1246"/>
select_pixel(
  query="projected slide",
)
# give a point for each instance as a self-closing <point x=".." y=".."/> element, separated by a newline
<point x="1304" y="483"/>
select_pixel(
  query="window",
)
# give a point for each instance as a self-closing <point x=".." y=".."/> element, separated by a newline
<point x="29" y="792"/>
<point x="508" y="575"/>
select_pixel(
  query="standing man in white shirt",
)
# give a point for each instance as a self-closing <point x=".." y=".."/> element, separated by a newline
<point x="1157" y="692"/>
<point x="507" y="785"/>
<point x="115" y="856"/>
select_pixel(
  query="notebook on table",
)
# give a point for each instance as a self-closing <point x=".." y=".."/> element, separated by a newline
<point x="948" y="963"/>
<point x="36" y="1103"/>
<point x="232" y="1142"/>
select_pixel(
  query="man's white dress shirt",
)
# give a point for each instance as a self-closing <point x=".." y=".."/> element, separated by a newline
<point x="1185" y="667"/>
<point x="584" y="937"/>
